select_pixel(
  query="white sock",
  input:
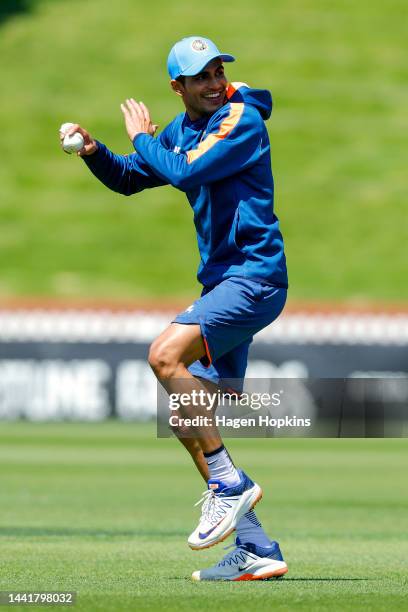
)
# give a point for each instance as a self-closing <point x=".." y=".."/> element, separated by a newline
<point x="221" y="467"/>
<point x="249" y="529"/>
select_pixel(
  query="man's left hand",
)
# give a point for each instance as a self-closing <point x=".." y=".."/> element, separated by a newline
<point x="137" y="119"/>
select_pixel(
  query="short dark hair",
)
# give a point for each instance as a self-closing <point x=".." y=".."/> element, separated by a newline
<point x="181" y="79"/>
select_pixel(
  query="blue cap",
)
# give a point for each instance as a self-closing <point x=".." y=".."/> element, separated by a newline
<point x="190" y="56"/>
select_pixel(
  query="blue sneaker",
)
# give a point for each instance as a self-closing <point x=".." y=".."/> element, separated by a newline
<point x="246" y="562"/>
<point x="222" y="508"/>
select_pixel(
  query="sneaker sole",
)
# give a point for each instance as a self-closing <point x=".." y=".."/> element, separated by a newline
<point x="265" y="575"/>
<point x="277" y="573"/>
<point x="225" y="535"/>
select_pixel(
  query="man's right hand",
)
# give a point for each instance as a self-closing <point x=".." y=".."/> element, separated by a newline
<point x="90" y="146"/>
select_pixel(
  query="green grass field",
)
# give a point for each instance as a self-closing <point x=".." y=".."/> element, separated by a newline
<point x="105" y="509"/>
<point x="337" y="71"/>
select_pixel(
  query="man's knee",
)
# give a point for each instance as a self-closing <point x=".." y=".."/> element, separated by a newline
<point x="163" y="359"/>
<point x="175" y="349"/>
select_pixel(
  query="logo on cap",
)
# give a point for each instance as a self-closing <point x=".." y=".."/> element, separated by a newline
<point x="199" y="45"/>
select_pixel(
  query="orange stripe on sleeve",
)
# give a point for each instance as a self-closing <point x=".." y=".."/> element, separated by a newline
<point x="225" y="128"/>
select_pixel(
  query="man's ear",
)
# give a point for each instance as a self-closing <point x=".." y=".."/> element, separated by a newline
<point x="177" y="87"/>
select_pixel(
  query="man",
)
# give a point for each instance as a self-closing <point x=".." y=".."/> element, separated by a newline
<point x="218" y="153"/>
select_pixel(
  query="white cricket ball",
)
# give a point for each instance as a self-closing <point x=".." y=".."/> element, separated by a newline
<point x="73" y="142"/>
<point x="65" y="127"/>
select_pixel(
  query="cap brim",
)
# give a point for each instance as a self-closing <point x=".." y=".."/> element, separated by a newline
<point x="203" y="62"/>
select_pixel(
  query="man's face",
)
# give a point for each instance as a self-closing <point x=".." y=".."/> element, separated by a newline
<point x="203" y="93"/>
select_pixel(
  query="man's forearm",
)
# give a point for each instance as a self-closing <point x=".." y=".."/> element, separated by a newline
<point x="111" y="169"/>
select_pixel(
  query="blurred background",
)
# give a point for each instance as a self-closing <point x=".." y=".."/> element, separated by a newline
<point x="337" y="73"/>
<point x="88" y="278"/>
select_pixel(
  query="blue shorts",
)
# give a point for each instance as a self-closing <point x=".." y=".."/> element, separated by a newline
<point x="229" y="315"/>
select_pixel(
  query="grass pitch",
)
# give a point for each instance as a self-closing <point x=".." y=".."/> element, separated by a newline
<point x="105" y="510"/>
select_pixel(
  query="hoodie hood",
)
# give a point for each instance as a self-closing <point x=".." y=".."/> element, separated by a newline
<point x="260" y="98"/>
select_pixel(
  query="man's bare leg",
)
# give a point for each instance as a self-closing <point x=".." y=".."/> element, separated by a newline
<point x="170" y="355"/>
<point x="197" y="455"/>
<point x="193" y="445"/>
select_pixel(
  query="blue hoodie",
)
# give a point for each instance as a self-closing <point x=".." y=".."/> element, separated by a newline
<point x="222" y="162"/>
